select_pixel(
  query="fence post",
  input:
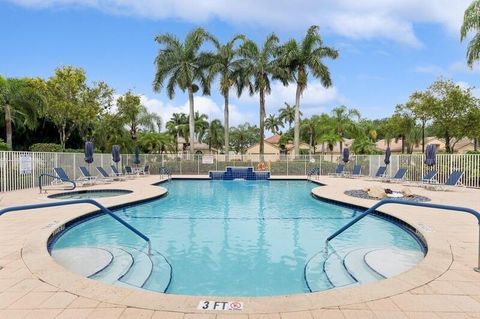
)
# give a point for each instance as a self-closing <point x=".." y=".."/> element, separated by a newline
<point x="33" y="170"/>
<point x="74" y="170"/>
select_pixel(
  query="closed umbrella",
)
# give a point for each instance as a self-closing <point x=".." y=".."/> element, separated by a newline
<point x="136" y="156"/>
<point x="116" y="154"/>
<point x="346" y="155"/>
<point x="430" y="155"/>
<point x="89" y="152"/>
<point x="388" y="153"/>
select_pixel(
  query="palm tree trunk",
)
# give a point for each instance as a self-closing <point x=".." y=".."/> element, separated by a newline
<point x="226" y="126"/>
<point x="262" y="123"/>
<point x="191" y="123"/>
<point x="8" y="124"/>
<point x="475" y="144"/>
<point x="296" y="134"/>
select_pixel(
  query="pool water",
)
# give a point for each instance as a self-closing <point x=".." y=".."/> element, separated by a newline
<point x="98" y="193"/>
<point x="238" y="238"/>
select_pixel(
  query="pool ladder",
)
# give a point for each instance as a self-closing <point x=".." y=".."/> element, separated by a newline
<point x="81" y="201"/>
<point x="407" y="203"/>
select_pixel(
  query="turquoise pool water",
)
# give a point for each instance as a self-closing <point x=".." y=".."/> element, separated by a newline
<point x="237" y="238"/>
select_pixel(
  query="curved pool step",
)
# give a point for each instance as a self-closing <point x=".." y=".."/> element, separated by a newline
<point x="391" y="262"/>
<point x="354" y="262"/>
<point x="120" y="265"/>
<point x="161" y="275"/>
<point x="86" y="261"/>
<point x="141" y="269"/>
<point x="336" y="272"/>
<point x="315" y="277"/>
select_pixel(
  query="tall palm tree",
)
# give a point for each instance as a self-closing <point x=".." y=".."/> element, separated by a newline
<point x="21" y="101"/>
<point x="177" y="126"/>
<point x="471" y="22"/>
<point x="260" y="67"/>
<point x="214" y="135"/>
<point x="226" y="63"/>
<point x="273" y="124"/>
<point x="304" y="57"/>
<point x="343" y="121"/>
<point x="181" y="65"/>
<point x="287" y="114"/>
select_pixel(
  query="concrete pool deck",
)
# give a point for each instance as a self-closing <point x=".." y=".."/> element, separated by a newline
<point x="443" y="285"/>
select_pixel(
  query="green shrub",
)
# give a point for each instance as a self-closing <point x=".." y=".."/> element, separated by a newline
<point x="75" y="150"/>
<point x="3" y="145"/>
<point x="473" y="152"/>
<point x="46" y="147"/>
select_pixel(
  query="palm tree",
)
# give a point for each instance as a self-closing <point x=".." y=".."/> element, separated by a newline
<point x="302" y="57"/>
<point x="226" y="63"/>
<point x="259" y="67"/>
<point x="287" y="114"/>
<point x="273" y="124"/>
<point x="471" y="22"/>
<point x="181" y="65"/>
<point x="21" y="100"/>
<point x="177" y="127"/>
<point x="201" y="125"/>
<point x="331" y="139"/>
<point x="309" y="127"/>
<point x="343" y="121"/>
<point x="213" y="136"/>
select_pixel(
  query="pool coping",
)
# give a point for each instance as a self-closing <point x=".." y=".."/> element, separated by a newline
<point x="41" y="264"/>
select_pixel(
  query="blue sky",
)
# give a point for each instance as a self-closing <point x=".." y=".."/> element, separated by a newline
<point x="387" y="48"/>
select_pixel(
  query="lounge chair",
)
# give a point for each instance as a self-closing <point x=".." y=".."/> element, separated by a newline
<point x="381" y="172"/>
<point x="129" y="171"/>
<point x="356" y="171"/>
<point x="105" y="176"/>
<point x="62" y="175"/>
<point x="144" y="170"/>
<point x="453" y="180"/>
<point x="399" y="175"/>
<point x="116" y="172"/>
<point x="338" y="170"/>
<point x="87" y="178"/>
<point x="428" y="178"/>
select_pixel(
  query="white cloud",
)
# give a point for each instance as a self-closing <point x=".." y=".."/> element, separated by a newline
<point x="366" y="19"/>
<point x="202" y="104"/>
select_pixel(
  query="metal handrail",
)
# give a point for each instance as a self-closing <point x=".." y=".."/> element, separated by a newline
<point x="408" y="203"/>
<point x="81" y="201"/>
<point x="55" y="177"/>
<point x="165" y="170"/>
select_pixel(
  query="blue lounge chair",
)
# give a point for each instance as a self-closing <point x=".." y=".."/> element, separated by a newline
<point x="129" y="171"/>
<point x="381" y="171"/>
<point x="86" y="176"/>
<point x="338" y="170"/>
<point x="428" y="178"/>
<point x="356" y="171"/>
<point x="62" y="175"/>
<point x="103" y="174"/>
<point x="399" y="175"/>
<point x="116" y="172"/>
<point x="453" y="180"/>
<point x="144" y="170"/>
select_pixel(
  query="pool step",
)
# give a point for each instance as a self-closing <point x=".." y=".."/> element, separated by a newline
<point x="121" y="263"/>
<point x="86" y="261"/>
<point x="141" y="269"/>
<point x="336" y="272"/>
<point x="391" y="262"/>
<point x="354" y="263"/>
<point x="358" y="266"/>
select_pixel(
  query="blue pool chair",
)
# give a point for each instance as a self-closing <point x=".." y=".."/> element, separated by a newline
<point x="357" y="171"/>
<point x="453" y="180"/>
<point x="338" y="170"/>
<point x="86" y="176"/>
<point x="399" y="175"/>
<point x="104" y="175"/>
<point x="381" y="171"/>
<point x="62" y="175"/>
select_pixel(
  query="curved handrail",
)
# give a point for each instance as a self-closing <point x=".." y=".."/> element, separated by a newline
<point x="165" y="170"/>
<point x="407" y="203"/>
<point x="80" y="201"/>
<point x="55" y="177"/>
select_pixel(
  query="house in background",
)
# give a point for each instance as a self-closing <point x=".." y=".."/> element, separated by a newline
<point x="272" y="146"/>
<point x="462" y="146"/>
<point x="200" y="148"/>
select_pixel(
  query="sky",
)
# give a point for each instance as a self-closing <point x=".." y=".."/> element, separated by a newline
<point x="388" y="48"/>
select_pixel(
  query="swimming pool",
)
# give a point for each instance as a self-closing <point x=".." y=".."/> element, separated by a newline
<point x="91" y="193"/>
<point x="237" y="238"/>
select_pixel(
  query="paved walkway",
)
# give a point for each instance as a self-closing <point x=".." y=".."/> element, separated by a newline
<point x="444" y="285"/>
